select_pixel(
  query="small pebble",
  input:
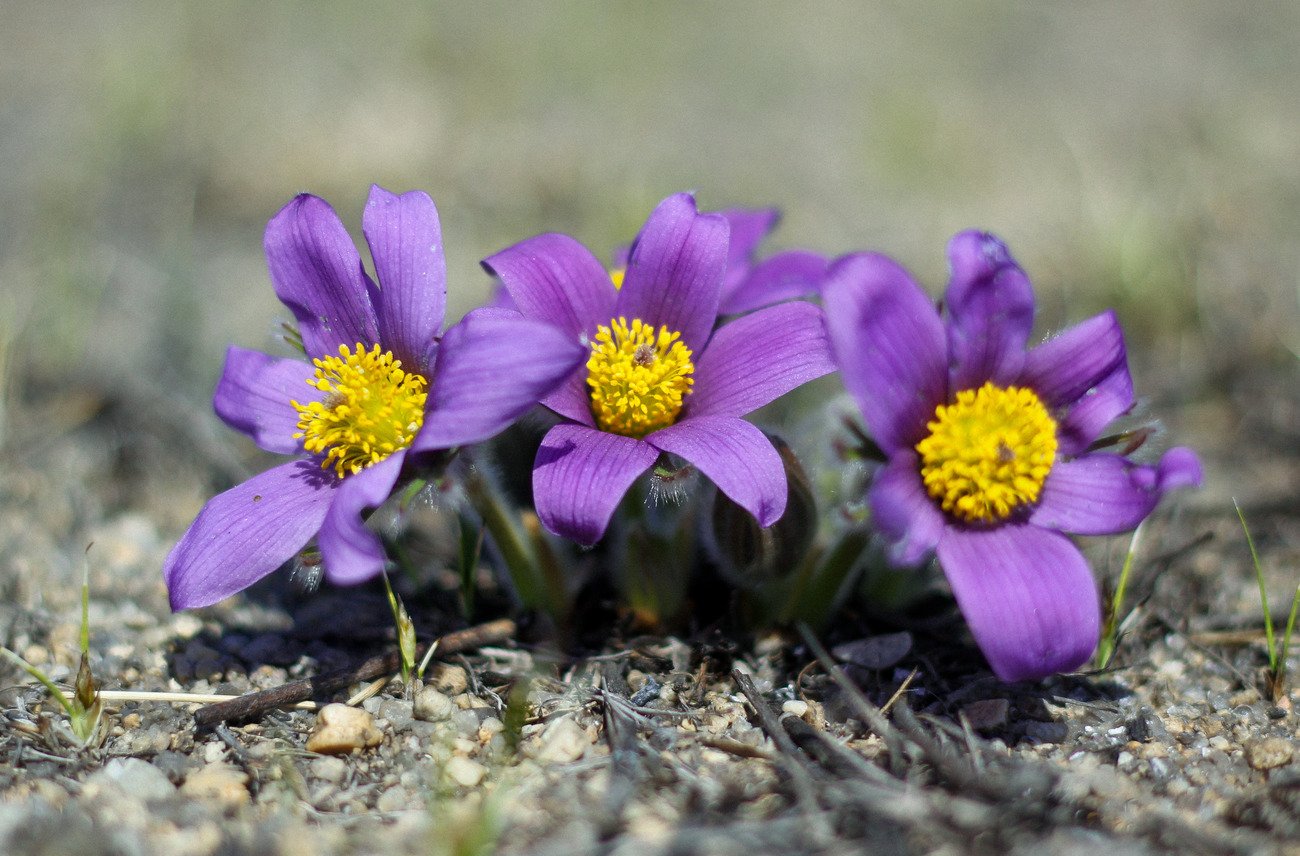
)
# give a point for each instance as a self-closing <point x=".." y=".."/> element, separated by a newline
<point x="987" y="713"/>
<point x="340" y="729"/>
<point x="563" y="742"/>
<point x="432" y="705"/>
<point x="220" y="783"/>
<point x="451" y="680"/>
<point x="464" y="772"/>
<point x="140" y="779"/>
<point x="399" y="713"/>
<point x="329" y="769"/>
<point x="1268" y="753"/>
<point x="393" y="799"/>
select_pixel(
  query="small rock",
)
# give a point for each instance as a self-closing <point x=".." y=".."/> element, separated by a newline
<point x="220" y="783"/>
<point x="1047" y="732"/>
<point x="795" y="707"/>
<point x="140" y="779"/>
<point x="563" y="742"/>
<point x="464" y="772"/>
<point x="432" y="705"/>
<point x="329" y="769"/>
<point x="399" y="713"/>
<point x="339" y="729"/>
<point x="394" y="799"/>
<point x="451" y="680"/>
<point x="1269" y="753"/>
<point x="987" y="714"/>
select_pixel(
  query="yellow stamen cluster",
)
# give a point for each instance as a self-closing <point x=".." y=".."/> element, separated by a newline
<point x="988" y="453"/>
<point x="638" y="377"/>
<point x="372" y="408"/>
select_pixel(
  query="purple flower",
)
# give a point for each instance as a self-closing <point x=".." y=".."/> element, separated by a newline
<point x="988" y="445"/>
<point x="380" y="387"/>
<point x="659" y="379"/>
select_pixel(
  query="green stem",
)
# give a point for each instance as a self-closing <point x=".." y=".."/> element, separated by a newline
<point x="1263" y="592"/>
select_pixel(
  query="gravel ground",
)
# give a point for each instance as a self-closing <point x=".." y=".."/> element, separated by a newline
<point x="708" y="744"/>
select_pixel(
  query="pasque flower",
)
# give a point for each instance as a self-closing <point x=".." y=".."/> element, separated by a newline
<point x="381" y="387"/>
<point x="659" y="379"/>
<point x="989" y="444"/>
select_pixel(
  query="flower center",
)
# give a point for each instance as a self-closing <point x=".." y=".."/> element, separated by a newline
<point x="988" y="453"/>
<point x="638" y="377"/>
<point x="371" y="408"/>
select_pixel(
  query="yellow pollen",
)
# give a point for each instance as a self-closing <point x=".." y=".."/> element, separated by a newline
<point x="988" y="453"/>
<point x="616" y="276"/>
<point x="638" y="377"/>
<point x="372" y="407"/>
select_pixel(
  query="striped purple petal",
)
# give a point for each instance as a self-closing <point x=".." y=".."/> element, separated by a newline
<point x="317" y="273"/>
<point x="581" y="475"/>
<point x="405" y="241"/>
<point x="247" y="532"/>
<point x="674" y="274"/>
<point x="735" y="456"/>
<point x="254" y="397"/>
<point x="991" y="312"/>
<point x="1027" y="594"/>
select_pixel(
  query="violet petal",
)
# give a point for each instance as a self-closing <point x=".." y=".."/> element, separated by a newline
<point x="889" y="343"/>
<point x="554" y="278"/>
<point x="492" y="368"/>
<point x="903" y="511"/>
<point x="1028" y="596"/>
<point x="405" y="241"/>
<point x="759" y="357"/>
<point x="317" y="273"/>
<point x="247" y="532"/>
<point x="580" y="477"/>
<point x="784" y="276"/>
<point x="352" y="553"/>
<point x="746" y="229"/>
<point x="1103" y="494"/>
<point x="255" y="393"/>
<point x="674" y="274"/>
<point x="736" y="456"/>
<point x="1082" y="373"/>
<point x="991" y="306"/>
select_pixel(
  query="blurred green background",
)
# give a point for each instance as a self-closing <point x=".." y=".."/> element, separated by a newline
<point x="1144" y="155"/>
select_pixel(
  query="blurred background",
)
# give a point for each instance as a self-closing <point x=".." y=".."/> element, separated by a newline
<point x="1138" y="155"/>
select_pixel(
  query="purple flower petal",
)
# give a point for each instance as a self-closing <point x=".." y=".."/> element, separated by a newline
<point x="316" y="271"/>
<point x="254" y="395"/>
<point x="747" y="227"/>
<point x="580" y="477"/>
<point x="1028" y="596"/>
<point x="1082" y="372"/>
<point x="572" y="398"/>
<point x="247" y="532"/>
<point x="736" y="457"/>
<point x="674" y="275"/>
<point x="406" y="245"/>
<point x="492" y="368"/>
<point x="903" y="511"/>
<point x="991" y="306"/>
<point x="1102" y="494"/>
<point x="556" y="279"/>
<point x="352" y="553"/>
<point x="759" y="357"/>
<point x="784" y="276"/>
<point x="889" y="343"/>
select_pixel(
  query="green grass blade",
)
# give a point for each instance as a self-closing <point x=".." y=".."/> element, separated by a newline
<point x="1263" y="592"/>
